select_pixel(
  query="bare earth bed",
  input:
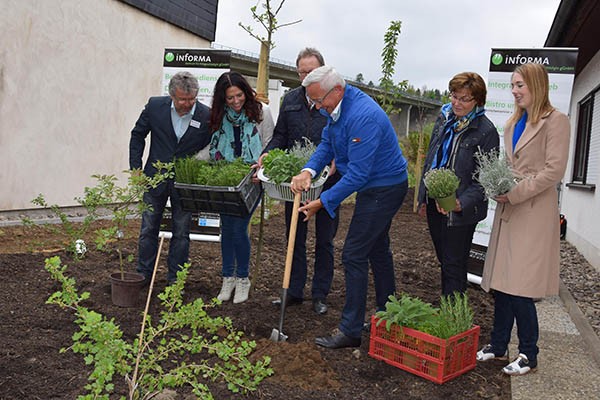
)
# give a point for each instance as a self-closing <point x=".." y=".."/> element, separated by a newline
<point x="33" y="332"/>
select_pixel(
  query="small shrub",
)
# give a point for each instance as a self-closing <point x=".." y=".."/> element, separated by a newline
<point x="68" y="232"/>
<point x="410" y="143"/>
<point x="410" y="149"/>
<point x="156" y="362"/>
<point x="123" y="202"/>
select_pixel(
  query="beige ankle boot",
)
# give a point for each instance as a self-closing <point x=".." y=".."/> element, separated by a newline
<point x="242" y="288"/>
<point x="227" y="288"/>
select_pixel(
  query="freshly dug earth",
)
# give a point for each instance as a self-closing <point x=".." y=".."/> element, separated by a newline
<point x="33" y="332"/>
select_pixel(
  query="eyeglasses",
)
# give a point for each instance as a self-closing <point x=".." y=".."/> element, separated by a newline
<point x="463" y="99"/>
<point x="322" y="99"/>
<point x="303" y="73"/>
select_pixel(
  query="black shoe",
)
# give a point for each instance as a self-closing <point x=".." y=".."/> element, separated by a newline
<point x="290" y="301"/>
<point x="319" y="306"/>
<point x="337" y="341"/>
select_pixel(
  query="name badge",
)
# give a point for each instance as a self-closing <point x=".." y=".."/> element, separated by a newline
<point x="195" y="124"/>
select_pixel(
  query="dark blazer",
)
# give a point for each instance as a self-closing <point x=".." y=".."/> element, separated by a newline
<point x="156" y="118"/>
<point x="296" y="120"/>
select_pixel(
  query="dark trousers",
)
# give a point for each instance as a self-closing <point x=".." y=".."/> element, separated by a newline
<point x="452" y="246"/>
<point x="368" y="242"/>
<point x="325" y="230"/>
<point x="507" y="308"/>
<point x="179" y="246"/>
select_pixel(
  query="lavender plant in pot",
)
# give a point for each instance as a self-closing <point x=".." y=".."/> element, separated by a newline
<point x="441" y="185"/>
<point x="494" y="173"/>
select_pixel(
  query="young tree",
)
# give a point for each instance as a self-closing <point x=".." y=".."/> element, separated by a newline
<point x="268" y="19"/>
<point x="388" y="63"/>
<point x="360" y="78"/>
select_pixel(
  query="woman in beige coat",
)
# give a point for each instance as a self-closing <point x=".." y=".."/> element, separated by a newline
<point x="523" y="257"/>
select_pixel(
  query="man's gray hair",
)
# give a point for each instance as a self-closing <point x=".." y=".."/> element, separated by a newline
<point x="326" y="76"/>
<point x="310" y="52"/>
<point x="184" y="81"/>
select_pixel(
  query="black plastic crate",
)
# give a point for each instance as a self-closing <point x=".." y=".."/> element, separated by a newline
<point x="236" y="201"/>
<point x="202" y="223"/>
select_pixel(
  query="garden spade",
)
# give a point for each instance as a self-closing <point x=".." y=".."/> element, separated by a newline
<point x="277" y="334"/>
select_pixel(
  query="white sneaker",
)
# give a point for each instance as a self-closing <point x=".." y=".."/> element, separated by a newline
<point x="227" y="288"/>
<point x="520" y="366"/>
<point x="242" y="288"/>
<point x="487" y="353"/>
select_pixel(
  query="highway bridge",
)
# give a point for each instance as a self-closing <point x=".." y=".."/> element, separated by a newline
<point x="415" y="111"/>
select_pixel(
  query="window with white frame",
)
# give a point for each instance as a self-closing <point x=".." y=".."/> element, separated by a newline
<point x="587" y="143"/>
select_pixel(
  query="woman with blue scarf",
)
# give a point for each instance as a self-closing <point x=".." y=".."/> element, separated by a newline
<point x="461" y="130"/>
<point x="241" y="127"/>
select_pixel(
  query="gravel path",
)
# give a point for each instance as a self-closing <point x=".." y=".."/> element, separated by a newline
<point x="583" y="282"/>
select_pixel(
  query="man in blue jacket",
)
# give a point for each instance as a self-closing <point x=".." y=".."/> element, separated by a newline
<point x="179" y="127"/>
<point x="360" y="138"/>
<point x="299" y="120"/>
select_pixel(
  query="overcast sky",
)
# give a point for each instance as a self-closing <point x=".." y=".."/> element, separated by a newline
<point x="439" y="38"/>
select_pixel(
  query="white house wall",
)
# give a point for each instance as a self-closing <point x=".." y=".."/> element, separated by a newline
<point x="74" y="77"/>
<point x="582" y="207"/>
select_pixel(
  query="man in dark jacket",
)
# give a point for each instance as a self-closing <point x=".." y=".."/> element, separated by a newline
<point x="178" y="125"/>
<point x="298" y="119"/>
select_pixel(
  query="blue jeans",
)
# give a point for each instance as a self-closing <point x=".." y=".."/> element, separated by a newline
<point x="368" y="242"/>
<point x="452" y="247"/>
<point x="325" y="230"/>
<point x="179" y="246"/>
<point x="507" y="308"/>
<point x="235" y="246"/>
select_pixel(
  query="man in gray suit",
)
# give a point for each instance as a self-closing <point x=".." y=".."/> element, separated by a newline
<point x="178" y="125"/>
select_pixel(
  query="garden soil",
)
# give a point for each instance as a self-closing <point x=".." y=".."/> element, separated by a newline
<point x="32" y="332"/>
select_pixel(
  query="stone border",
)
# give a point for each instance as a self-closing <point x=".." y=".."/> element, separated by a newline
<point x="581" y="322"/>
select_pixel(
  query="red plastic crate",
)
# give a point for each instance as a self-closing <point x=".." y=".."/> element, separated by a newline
<point x="430" y="357"/>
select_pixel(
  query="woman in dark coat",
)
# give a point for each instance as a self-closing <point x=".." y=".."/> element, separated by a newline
<point x="461" y="130"/>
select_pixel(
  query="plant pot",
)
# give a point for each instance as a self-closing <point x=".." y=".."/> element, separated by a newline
<point x="126" y="292"/>
<point x="447" y="203"/>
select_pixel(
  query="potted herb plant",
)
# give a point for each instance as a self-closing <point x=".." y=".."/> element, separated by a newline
<point x="441" y="184"/>
<point x="494" y="173"/>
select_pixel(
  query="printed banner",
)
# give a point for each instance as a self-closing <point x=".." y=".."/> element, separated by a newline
<point x="560" y="64"/>
<point x="205" y="64"/>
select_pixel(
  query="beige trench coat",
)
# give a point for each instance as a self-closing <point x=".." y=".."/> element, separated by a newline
<point x="523" y="256"/>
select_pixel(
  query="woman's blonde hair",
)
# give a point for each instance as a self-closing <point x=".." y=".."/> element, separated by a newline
<point x="536" y="79"/>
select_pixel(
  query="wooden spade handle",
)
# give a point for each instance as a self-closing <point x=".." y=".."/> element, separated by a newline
<point x="291" y="242"/>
